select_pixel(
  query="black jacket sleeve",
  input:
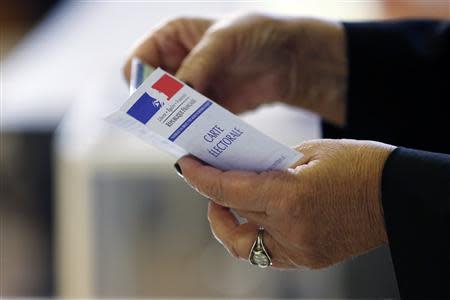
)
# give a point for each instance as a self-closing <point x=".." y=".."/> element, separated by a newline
<point x="416" y="202"/>
<point x="398" y="93"/>
<point x="399" y="84"/>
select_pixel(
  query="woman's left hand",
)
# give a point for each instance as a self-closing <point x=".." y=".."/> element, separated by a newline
<point x="325" y="209"/>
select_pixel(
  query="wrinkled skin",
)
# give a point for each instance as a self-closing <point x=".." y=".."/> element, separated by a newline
<point x="247" y="61"/>
<point x="324" y="210"/>
<point x="327" y="207"/>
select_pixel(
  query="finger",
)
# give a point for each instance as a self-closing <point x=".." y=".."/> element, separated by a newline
<point x="238" y="238"/>
<point x="207" y="59"/>
<point x="235" y="189"/>
<point x="228" y="223"/>
<point x="163" y="48"/>
<point x="167" y="45"/>
<point x="146" y="50"/>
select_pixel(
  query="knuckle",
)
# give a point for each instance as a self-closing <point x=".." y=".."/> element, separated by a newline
<point x="197" y="61"/>
<point x="217" y="32"/>
<point x="182" y="20"/>
<point x="172" y="24"/>
<point x="309" y="145"/>
<point x="175" y="21"/>
<point x="251" y="19"/>
<point x="219" y="38"/>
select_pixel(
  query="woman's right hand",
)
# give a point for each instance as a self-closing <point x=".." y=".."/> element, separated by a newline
<point x="251" y="60"/>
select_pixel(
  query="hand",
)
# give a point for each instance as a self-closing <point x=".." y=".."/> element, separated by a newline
<point x="250" y="60"/>
<point x="168" y="45"/>
<point x="324" y="210"/>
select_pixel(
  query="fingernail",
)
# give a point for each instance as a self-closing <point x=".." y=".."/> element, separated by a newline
<point x="178" y="169"/>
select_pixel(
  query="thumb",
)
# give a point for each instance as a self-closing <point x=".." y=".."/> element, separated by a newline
<point x="309" y="150"/>
<point x="204" y="61"/>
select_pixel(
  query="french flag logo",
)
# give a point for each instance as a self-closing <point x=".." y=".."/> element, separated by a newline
<point x="144" y="108"/>
<point x="167" y="85"/>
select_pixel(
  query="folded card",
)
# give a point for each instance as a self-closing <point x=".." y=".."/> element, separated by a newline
<point x="167" y="113"/>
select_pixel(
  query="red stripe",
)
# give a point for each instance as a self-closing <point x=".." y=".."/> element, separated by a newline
<point x="167" y="85"/>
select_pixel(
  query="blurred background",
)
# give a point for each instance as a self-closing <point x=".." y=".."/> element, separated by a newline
<point x="88" y="211"/>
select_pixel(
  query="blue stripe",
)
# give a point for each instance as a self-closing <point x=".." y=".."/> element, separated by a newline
<point x="189" y="120"/>
<point x="144" y="108"/>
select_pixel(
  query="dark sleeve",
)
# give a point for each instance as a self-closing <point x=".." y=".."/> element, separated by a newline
<point x="398" y="93"/>
<point x="416" y="202"/>
<point x="399" y="84"/>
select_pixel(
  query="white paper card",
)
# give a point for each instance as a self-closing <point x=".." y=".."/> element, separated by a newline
<point x="170" y="115"/>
